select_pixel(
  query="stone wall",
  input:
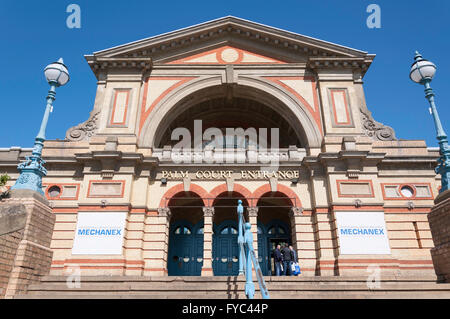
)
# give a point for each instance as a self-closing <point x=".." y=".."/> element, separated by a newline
<point x="26" y="227"/>
<point x="439" y="219"/>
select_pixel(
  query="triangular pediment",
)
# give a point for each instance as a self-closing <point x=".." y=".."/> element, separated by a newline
<point x="228" y="39"/>
<point x="227" y="54"/>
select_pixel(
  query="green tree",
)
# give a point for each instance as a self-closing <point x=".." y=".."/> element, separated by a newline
<point x="3" y="179"/>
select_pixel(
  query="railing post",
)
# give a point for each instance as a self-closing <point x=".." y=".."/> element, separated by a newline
<point x="240" y="211"/>
<point x="245" y="243"/>
<point x="248" y="239"/>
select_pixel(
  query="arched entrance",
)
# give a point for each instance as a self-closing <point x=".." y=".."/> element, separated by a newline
<point x="256" y="103"/>
<point x="225" y="234"/>
<point x="185" y="255"/>
<point x="273" y="228"/>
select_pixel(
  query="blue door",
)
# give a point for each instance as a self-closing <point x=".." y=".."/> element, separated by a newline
<point x="226" y="249"/>
<point x="263" y="256"/>
<point x="185" y="257"/>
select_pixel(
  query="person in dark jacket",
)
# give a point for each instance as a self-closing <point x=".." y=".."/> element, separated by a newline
<point x="293" y="256"/>
<point x="278" y="259"/>
<point x="287" y="261"/>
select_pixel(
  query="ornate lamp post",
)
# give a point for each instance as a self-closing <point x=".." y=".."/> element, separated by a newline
<point x="422" y="72"/>
<point x="32" y="170"/>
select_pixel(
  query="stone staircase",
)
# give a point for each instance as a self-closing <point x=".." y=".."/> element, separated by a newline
<point x="56" y="287"/>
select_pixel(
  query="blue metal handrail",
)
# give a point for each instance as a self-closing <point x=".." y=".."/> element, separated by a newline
<point x="247" y="257"/>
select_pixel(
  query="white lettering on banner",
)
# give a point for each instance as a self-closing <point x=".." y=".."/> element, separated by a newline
<point x="362" y="233"/>
<point x="99" y="233"/>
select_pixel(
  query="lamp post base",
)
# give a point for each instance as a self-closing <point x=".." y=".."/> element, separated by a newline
<point x="30" y="180"/>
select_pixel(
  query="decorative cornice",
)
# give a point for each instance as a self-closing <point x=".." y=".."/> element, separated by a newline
<point x="99" y="64"/>
<point x="361" y="63"/>
<point x="143" y="53"/>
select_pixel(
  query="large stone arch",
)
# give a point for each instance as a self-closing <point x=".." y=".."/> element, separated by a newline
<point x="289" y="193"/>
<point x="275" y="97"/>
<point x="179" y="188"/>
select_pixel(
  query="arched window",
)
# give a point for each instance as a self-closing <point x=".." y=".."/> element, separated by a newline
<point x="228" y="230"/>
<point x="181" y="230"/>
<point x="200" y="231"/>
<point x="277" y="229"/>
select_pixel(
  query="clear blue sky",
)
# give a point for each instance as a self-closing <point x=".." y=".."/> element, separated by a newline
<point x="34" y="33"/>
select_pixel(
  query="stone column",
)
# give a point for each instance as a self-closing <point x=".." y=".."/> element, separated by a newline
<point x="322" y="222"/>
<point x="157" y="242"/>
<point x="439" y="219"/>
<point x="208" y="213"/>
<point x="253" y="220"/>
<point x="26" y="229"/>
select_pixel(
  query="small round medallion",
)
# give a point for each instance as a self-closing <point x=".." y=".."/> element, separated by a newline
<point x="230" y="55"/>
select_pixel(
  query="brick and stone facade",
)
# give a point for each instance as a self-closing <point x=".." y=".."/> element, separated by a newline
<point x="333" y="157"/>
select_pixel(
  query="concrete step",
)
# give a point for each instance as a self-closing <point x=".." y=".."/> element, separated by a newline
<point x="55" y="287"/>
<point x="241" y="286"/>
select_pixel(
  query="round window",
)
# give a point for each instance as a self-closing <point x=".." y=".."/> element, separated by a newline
<point x="54" y="191"/>
<point x="407" y="191"/>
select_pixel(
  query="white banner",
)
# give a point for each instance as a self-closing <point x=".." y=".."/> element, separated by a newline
<point x="362" y="233"/>
<point x="99" y="233"/>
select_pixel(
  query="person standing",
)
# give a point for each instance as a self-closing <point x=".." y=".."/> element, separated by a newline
<point x="278" y="259"/>
<point x="287" y="261"/>
<point x="294" y="256"/>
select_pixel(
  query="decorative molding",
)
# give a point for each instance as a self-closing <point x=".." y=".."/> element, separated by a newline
<point x="338" y="113"/>
<point x="106" y="188"/>
<point x="377" y="131"/>
<point x="355" y="188"/>
<point x="85" y="130"/>
<point x="296" y="211"/>
<point x="208" y="211"/>
<point x="103" y="64"/>
<point x="252" y="211"/>
<point x="164" y="212"/>
<point x="357" y="203"/>
<point x="396" y="187"/>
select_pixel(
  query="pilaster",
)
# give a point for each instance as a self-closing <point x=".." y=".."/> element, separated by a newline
<point x="208" y="213"/>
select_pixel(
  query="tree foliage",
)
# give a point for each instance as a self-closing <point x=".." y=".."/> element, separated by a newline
<point x="3" y="179"/>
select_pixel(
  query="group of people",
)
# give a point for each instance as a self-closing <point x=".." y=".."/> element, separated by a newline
<point x="284" y="259"/>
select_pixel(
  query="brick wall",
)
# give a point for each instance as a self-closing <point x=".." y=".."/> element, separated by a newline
<point x="439" y="219"/>
<point x="8" y="248"/>
<point x="25" y="235"/>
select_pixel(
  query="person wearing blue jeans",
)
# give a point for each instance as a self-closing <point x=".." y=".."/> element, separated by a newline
<point x="278" y="259"/>
<point x="287" y="261"/>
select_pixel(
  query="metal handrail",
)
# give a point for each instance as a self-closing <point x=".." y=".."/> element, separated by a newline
<point x="247" y="257"/>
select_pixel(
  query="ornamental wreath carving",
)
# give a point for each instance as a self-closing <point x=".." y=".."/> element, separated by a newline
<point x="377" y="131"/>
<point x="84" y="130"/>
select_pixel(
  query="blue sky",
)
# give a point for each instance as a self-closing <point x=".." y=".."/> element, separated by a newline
<point x="34" y="33"/>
